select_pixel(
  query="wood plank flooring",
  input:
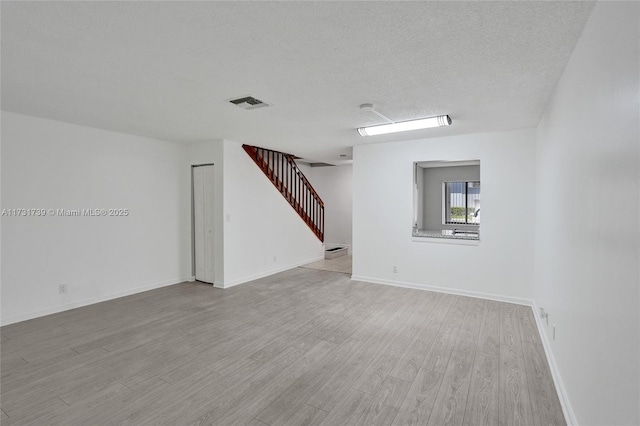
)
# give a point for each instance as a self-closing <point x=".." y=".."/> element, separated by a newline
<point x="303" y="347"/>
<point x="339" y="264"/>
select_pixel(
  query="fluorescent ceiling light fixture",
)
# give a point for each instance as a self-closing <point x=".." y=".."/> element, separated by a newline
<point x="403" y="126"/>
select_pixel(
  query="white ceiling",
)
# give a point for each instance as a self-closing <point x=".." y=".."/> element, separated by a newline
<point x="166" y="69"/>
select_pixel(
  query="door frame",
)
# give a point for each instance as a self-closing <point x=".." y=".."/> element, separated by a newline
<point x="193" y="221"/>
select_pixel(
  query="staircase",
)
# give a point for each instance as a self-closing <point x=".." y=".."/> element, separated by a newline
<point x="285" y="175"/>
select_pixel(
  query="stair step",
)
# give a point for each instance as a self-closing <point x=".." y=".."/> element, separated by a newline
<point x="332" y="253"/>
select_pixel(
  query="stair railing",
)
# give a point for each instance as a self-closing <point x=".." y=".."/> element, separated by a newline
<point x="282" y="170"/>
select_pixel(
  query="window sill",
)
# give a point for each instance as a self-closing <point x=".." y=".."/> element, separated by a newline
<point x="445" y="237"/>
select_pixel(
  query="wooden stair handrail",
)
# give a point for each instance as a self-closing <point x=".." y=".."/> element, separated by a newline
<point x="280" y="168"/>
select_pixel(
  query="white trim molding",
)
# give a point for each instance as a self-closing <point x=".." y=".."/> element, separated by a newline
<point x="567" y="409"/>
<point x="458" y="292"/>
<point x="90" y="301"/>
<point x="250" y="278"/>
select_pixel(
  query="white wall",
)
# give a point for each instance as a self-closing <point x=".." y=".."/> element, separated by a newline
<point x="587" y="239"/>
<point x="501" y="266"/>
<point x="1" y="207"/>
<point x="49" y="165"/>
<point x="53" y="165"/>
<point x="305" y="168"/>
<point x="262" y="232"/>
<point x="334" y="185"/>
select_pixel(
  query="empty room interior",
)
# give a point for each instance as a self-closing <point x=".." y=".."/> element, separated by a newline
<point x="320" y="213"/>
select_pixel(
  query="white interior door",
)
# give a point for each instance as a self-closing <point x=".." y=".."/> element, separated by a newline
<point x="203" y="222"/>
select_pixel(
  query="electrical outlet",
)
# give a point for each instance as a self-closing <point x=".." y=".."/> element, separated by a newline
<point x="62" y="289"/>
<point x="545" y="315"/>
<point x="395" y="269"/>
<point x="554" y="332"/>
<point x="275" y="258"/>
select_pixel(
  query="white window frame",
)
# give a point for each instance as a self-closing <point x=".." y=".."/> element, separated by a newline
<point x="445" y="203"/>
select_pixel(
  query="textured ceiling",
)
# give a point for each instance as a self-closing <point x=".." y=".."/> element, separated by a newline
<point x="166" y="69"/>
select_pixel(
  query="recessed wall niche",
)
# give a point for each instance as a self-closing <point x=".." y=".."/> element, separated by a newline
<point x="446" y="199"/>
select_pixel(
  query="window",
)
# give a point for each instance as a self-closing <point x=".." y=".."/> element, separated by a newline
<point x="462" y="203"/>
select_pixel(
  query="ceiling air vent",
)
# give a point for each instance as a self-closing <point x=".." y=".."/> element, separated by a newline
<point x="248" y="102"/>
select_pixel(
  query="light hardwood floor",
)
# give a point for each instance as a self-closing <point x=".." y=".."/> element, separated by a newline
<point x="339" y="264"/>
<point x="303" y="347"/>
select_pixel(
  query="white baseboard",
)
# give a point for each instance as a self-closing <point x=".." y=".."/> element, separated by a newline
<point x="458" y="292"/>
<point x="254" y="277"/>
<point x="567" y="409"/>
<point x="85" y="302"/>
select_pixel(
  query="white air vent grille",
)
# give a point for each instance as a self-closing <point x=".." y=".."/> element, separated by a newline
<point x="248" y="102"/>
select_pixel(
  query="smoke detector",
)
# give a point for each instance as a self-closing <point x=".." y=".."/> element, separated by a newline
<point x="248" y="102"/>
